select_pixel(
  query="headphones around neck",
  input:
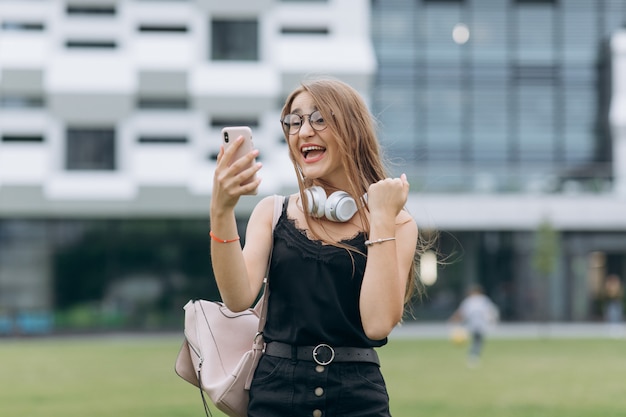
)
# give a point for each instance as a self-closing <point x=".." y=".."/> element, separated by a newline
<point x="337" y="207"/>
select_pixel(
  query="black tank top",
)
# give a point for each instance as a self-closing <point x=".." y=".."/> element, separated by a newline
<point x="314" y="290"/>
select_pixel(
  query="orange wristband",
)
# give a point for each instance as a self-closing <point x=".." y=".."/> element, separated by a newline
<point x="217" y="239"/>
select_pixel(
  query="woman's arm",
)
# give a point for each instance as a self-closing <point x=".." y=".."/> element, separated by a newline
<point x="389" y="262"/>
<point x="238" y="288"/>
<point x="239" y="272"/>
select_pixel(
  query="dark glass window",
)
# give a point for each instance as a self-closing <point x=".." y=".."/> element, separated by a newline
<point x="90" y="44"/>
<point x="304" y="30"/>
<point x="21" y="102"/>
<point x="162" y="103"/>
<point x="91" y="10"/>
<point x="534" y="35"/>
<point x="536" y="1"/>
<point x="535" y="74"/>
<point x="162" y="28"/>
<point x="19" y="138"/>
<point x="91" y="149"/>
<point x="165" y="140"/>
<point x="526" y="94"/>
<point x="234" y="40"/>
<point x="22" y="26"/>
<point x="221" y="122"/>
<point x="489" y="123"/>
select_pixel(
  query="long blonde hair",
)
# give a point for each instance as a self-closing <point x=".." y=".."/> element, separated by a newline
<point x="351" y="122"/>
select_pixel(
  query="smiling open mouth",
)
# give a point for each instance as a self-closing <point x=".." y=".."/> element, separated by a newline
<point x="312" y="152"/>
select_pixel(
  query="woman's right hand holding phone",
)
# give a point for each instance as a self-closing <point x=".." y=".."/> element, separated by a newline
<point x="234" y="177"/>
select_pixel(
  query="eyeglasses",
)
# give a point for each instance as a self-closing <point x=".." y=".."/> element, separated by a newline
<point x="293" y="122"/>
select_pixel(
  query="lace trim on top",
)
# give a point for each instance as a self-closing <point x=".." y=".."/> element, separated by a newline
<point x="317" y="250"/>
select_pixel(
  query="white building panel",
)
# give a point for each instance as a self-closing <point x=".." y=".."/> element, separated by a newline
<point x="299" y="57"/>
<point x="90" y="186"/>
<point x="90" y="87"/>
<point x="169" y="163"/>
<point x="235" y="7"/>
<point x="162" y="165"/>
<point x="91" y="29"/>
<point x="90" y="73"/>
<point x="234" y="88"/>
<point x="23" y="51"/>
<point x="24" y="164"/>
<point x="517" y="212"/>
<point x="166" y="52"/>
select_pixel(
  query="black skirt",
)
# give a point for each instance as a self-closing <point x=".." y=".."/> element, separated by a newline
<point x="290" y="388"/>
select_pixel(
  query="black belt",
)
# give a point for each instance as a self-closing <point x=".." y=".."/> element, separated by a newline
<point x="322" y="354"/>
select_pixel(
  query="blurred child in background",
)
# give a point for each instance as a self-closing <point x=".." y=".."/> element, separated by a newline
<point x="477" y="313"/>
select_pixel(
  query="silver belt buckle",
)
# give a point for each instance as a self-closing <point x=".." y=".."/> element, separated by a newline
<point x="316" y="351"/>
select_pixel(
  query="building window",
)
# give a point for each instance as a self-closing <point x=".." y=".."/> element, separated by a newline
<point x="22" y="138"/>
<point x="90" y="10"/>
<point x="17" y="26"/>
<point x="535" y="74"/>
<point x="234" y="40"/>
<point x="85" y="44"/>
<point x="91" y="149"/>
<point x="443" y="1"/>
<point x="162" y="103"/>
<point x="21" y="102"/>
<point x="163" y="140"/>
<point x="162" y="28"/>
<point x="304" y="30"/>
<point x="222" y="122"/>
<point x="536" y="1"/>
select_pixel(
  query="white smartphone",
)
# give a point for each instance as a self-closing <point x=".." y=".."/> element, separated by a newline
<point x="230" y="134"/>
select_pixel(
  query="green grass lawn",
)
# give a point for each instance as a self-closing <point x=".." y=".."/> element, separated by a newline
<point x="96" y="377"/>
<point x="517" y="378"/>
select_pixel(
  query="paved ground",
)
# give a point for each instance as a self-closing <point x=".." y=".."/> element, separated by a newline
<point x="517" y="330"/>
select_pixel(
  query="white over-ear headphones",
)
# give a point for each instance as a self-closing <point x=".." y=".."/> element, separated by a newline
<point x="337" y="207"/>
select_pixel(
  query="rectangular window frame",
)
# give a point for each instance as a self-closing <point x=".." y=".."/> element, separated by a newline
<point x="231" y="40"/>
<point x="162" y="103"/>
<point x="91" y="149"/>
<point x="219" y="122"/>
<point x="147" y="28"/>
<point x="22" y="26"/>
<point x="22" y="102"/>
<point x="306" y="30"/>
<point x="162" y="140"/>
<point x="90" y="44"/>
<point x="90" y="10"/>
<point x="22" y="138"/>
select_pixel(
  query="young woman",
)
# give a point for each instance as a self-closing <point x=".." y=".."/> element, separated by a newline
<point x="342" y="264"/>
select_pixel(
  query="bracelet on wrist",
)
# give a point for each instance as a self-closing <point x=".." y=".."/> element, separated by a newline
<point x="219" y="239"/>
<point x="381" y="240"/>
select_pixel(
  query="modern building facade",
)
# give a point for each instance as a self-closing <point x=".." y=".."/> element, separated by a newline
<point x="506" y="115"/>
<point x="110" y="114"/>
